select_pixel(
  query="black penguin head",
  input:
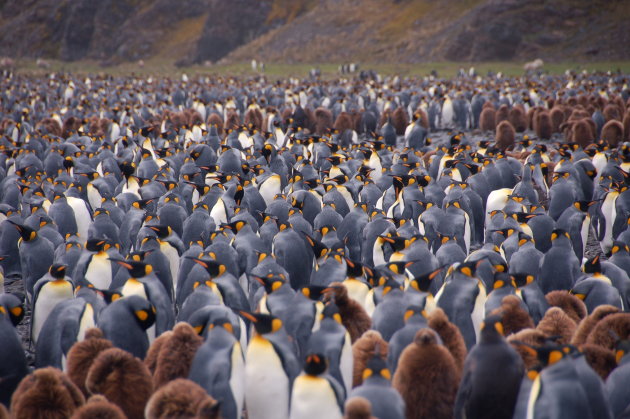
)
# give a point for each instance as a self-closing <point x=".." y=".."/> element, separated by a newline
<point x="389" y="285"/>
<point x="142" y="203"/>
<point x="136" y="269"/>
<point x="467" y="268"/>
<point x="353" y="269"/>
<point x="560" y="236"/>
<point x="162" y="231"/>
<point x="622" y="348"/>
<point x="522" y="279"/>
<point x="271" y="282"/>
<point x="331" y="311"/>
<point x="492" y="329"/>
<point x="95" y="244"/>
<point x="213" y="267"/>
<point x="315" y="364"/>
<point x="423" y="282"/>
<point x="58" y="271"/>
<point x="414" y="311"/>
<point x="502" y="280"/>
<point x="26" y="233"/>
<point x="143" y="310"/>
<point x="314" y="292"/>
<point x="376" y="366"/>
<point x="263" y="323"/>
<point x="13" y="306"/>
<point x="222" y="322"/>
<point x="592" y="266"/>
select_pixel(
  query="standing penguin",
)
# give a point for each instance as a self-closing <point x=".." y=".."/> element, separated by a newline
<point x="492" y="376"/>
<point x="219" y="367"/>
<point x="315" y="394"/>
<point x="333" y="341"/>
<point x="49" y="290"/>
<point x="270" y="368"/>
<point x="36" y="256"/>
<point x="559" y="267"/>
<point x="13" y="365"/>
<point x="377" y="389"/>
<point x="427" y="377"/>
<point x="125" y="321"/>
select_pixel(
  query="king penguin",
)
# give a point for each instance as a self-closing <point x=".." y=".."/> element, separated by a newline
<point x="48" y="292"/>
<point x="270" y="368"/>
<point x="316" y="394"/>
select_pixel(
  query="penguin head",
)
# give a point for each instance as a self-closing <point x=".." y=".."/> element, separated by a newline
<point x="58" y="270"/>
<point x="26" y="233"/>
<point x="162" y="231"/>
<point x="13" y="306"/>
<point x="467" y="268"/>
<point x="271" y="282"/>
<point x="315" y="364"/>
<point x="263" y="323"/>
<point x="143" y="310"/>
<point x="314" y="292"/>
<point x="423" y="282"/>
<point x="414" y="311"/>
<point x="376" y="367"/>
<point x="95" y="244"/>
<point x="390" y="285"/>
<point x="592" y="266"/>
<point x="223" y="323"/>
<point x="492" y="329"/>
<point x="619" y="246"/>
<point x="502" y="280"/>
<point x="136" y="269"/>
<point x="522" y="279"/>
<point x="331" y="311"/>
<point x="560" y="237"/>
<point x="353" y="269"/>
<point x="213" y="267"/>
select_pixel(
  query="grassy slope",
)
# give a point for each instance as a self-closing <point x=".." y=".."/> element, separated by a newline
<point x="163" y="67"/>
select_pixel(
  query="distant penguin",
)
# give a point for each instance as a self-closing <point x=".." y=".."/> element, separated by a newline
<point x="504" y="136"/>
<point x="49" y="290"/>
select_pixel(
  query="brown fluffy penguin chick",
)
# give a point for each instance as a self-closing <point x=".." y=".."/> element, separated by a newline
<point x="588" y="323"/>
<point x="98" y="407"/>
<point x="82" y="354"/>
<point x="450" y="335"/>
<point x="569" y="303"/>
<point x="209" y="409"/>
<point x="47" y="393"/>
<point x="154" y="350"/>
<point x="427" y="378"/>
<point x="180" y="398"/>
<point x="358" y="408"/>
<point x="400" y="120"/>
<point x="123" y="379"/>
<point x="176" y="355"/>
<point x="557" y="118"/>
<point x="626" y="125"/>
<point x="513" y="315"/>
<point x="486" y="119"/>
<point x="363" y="350"/>
<point x="582" y="133"/>
<point x="518" y="118"/>
<point x="343" y="122"/>
<point x="215" y="119"/>
<point x="557" y="323"/>
<point x="531" y="337"/>
<point x="501" y="114"/>
<point x="504" y="135"/>
<point x="601" y="335"/>
<point x="353" y="316"/>
<point x="612" y="133"/>
<point x="544" y="125"/>
<point x="323" y="121"/>
<point x="602" y="360"/>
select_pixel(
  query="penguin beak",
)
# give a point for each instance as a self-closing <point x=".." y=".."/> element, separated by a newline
<point x="248" y="316"/>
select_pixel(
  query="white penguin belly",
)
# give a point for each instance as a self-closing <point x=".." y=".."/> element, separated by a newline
<point x="266" y="383"/>
<point x="313" y="397"/>
<point x="46" y="302"/>
<point x="99" y="272"/>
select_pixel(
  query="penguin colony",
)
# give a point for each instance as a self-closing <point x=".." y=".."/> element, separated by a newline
<point x="221" y="247"/>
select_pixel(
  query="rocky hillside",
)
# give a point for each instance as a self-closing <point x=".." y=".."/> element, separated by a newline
<point x="193" y="31"/>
